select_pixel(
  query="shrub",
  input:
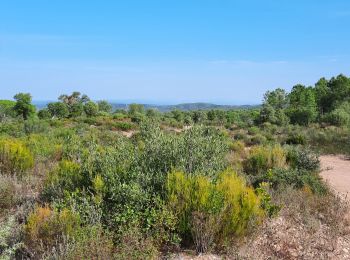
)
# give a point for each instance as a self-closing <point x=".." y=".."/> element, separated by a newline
<point x="65" y="178"/>
<point x="10" y="238"/>
<point x="46" y="227"/>
<point x="90" y="242"/>
<point x="134" y="245"/>
<point x="15" y="157"/>
<point x="263" y="158"/>
<point x="253" y="130"/>
<point x="303" y="158"/>
<point x="257" y="139"/>
<point x="44" y="114"/>
<point x="8" y="192"/>
<point x="237" y="146"/>
<point x="200" y="202"/>
<point x="295" y="178"/>
<point x="296" y="139"/>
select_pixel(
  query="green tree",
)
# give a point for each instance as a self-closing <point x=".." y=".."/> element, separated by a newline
<point x="302" y="105"/>
<point x="44" y="113"/>
<point x="104" y="106"/>
<point x="75" y="103"/>
<point x="58" y="109"/>
<point x="91" y="109"/>
<point x="6" y="108"/>
<point x="135" y="109"/>
<point x="273" y="108"/>
<point x="322" y="93"/>
<point x="23" y="106"/>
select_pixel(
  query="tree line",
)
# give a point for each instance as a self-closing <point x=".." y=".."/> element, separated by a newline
<point x="328" y="101"/>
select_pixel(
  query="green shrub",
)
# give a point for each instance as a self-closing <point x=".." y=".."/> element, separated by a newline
<point x="237" y="146"/>
<point x="303" y="159"/>
<point x="296" y="139"/>
<point x="296" y="178"/>
<point x="35" y="126"/>
<point x="253" y="130"/>
<point x="15" y="157"/>
<point x="257" y="139"/>
<point x="261" y="158"/>
<point x="66" y="177"/>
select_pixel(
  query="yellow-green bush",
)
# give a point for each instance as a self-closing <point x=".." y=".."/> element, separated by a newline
<point x="262" y="158"/>
<point x="228" y="202"/>
<point x="15" y="157"/>
<point x="65" y="177"/>
<point x="43" y="147"/>
<point x="237" y="146"/>
<point x="45" y="227"/>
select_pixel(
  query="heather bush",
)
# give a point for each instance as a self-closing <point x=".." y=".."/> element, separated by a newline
<point x="90" y="242"/>
<point x="8" y="192"/>
<point x="10" y="238"/>
<point x="15" y="157"/>
<point x="46" y="227"/>
<point x="135" y="245"/>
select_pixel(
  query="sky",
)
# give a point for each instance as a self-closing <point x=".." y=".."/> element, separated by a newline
<point x="170" y="51"/>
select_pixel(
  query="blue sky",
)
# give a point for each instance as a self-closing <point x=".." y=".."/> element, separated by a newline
<point x="170" y="51"/>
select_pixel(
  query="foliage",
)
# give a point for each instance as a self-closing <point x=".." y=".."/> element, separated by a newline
<point x="296" y="139"/>
<point x="261" y="159"/>
<point x="23" y="106"/>
<point x="91" y="109"/>
<point x="15" y="157"/>
<point x="303" y="159"/>
<point x="104" y="106"/>
<point x="296" y="178"/>
<point x="44" y="113"/>
<point x="228" y="202"/>
<point x="10" y="238"/>
<point x="8" y="193"/>
<point x="7" y="109"/>
<point x="58" y="109"/>
<point x="46" y="226"/>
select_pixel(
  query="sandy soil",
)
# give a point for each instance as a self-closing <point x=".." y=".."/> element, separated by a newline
<point x="336" y="171"/>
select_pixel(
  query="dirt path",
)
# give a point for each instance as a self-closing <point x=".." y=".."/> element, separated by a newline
<point x="336" y="171"/>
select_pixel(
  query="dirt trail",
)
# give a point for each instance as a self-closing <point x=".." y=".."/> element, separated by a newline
<point x="336" y="171"/>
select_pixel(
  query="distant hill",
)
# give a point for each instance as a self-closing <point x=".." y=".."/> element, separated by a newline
<point x="188" y="106"/>
<point x="167" y="108"/>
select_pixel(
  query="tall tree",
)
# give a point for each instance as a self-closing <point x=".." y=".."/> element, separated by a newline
<point x="302" y="105"/>
<point x="24" y="106"/>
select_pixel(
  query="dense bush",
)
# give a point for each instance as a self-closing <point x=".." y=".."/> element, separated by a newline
<point x="296" y="178"/>
<point x="212" y="210"/>
<point x="15" y="157"/>
<point x="261" y="159"/>
<point x="45" y="227"/>
<point x="302" y="159"/>
<point x="296" y="139"/>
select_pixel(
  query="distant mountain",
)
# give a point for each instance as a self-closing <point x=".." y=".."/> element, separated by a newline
<point x="189" y="106"/>
<point x="167" y="108"/>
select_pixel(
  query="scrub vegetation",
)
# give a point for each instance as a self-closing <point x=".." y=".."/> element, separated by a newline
<point x="80" y="180"/>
